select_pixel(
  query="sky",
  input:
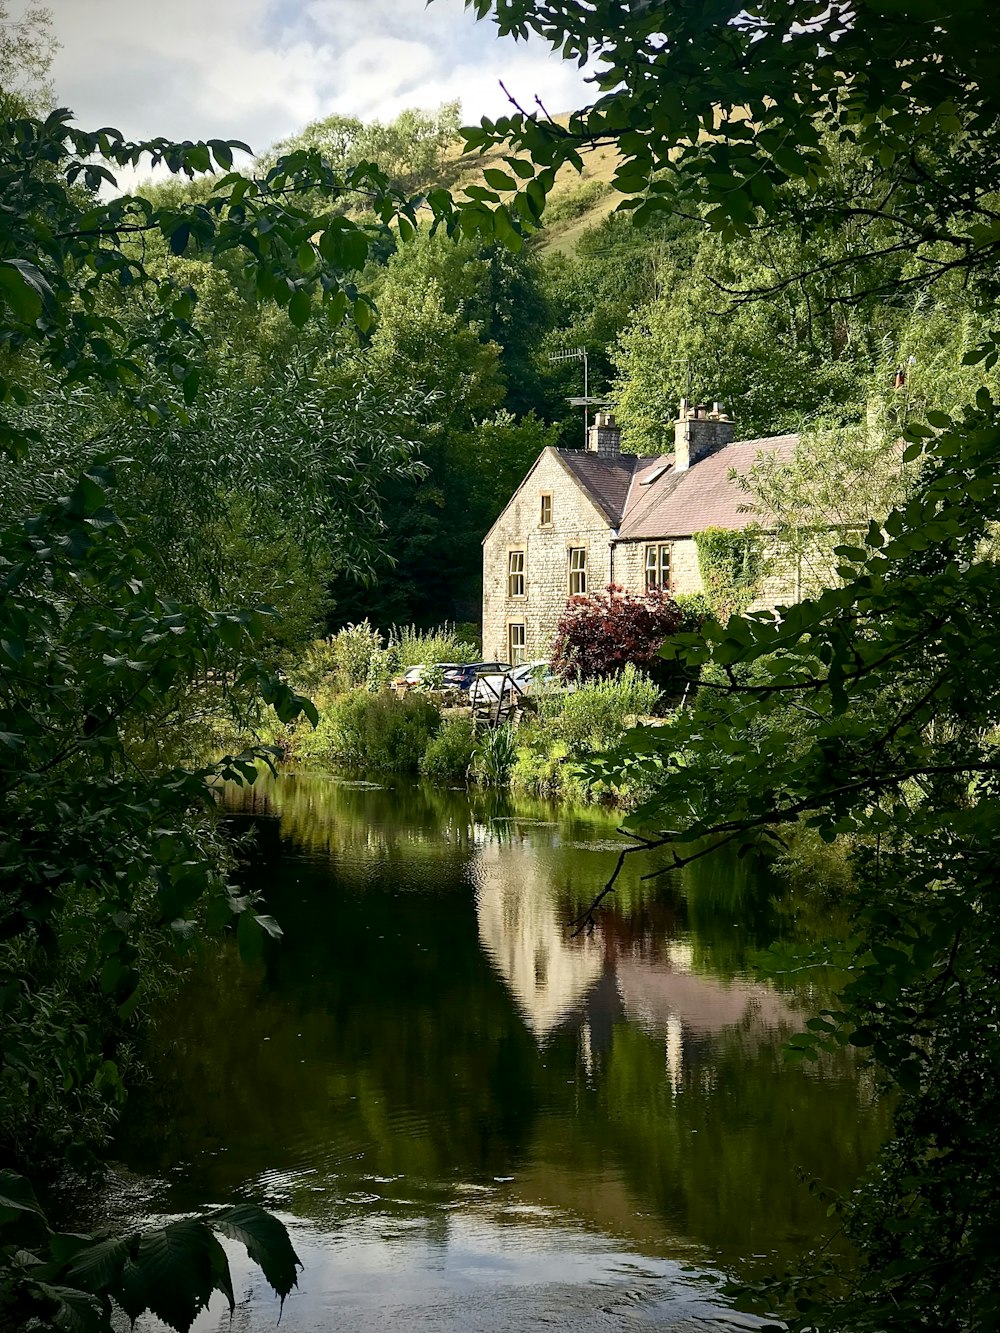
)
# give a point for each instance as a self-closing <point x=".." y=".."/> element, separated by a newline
<point x="258" y="70"/>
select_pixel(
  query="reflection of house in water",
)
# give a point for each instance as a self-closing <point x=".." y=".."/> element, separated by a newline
<point x="548" y="973"/>
<point x="591" y="983"/>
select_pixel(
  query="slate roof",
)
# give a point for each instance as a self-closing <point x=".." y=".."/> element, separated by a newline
<point x="606" y="480"/>
<point x="675" y="504"/>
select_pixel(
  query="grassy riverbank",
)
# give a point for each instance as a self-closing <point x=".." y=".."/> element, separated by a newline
<point x="365" y="726"/>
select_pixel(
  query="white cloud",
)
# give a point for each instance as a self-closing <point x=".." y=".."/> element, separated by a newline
<point x="261" y="69"/>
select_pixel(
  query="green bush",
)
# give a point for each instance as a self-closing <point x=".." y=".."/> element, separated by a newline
<point x="315" y="665"/>
<point x="696" y="609"/>
<point x="380" y="732"/>
<point x="599" y="711"/>
<point x="413" y="646"/>
<point x="574" y="204"/>
<point x="449" y="755"/>
<point x="354" y="649"/>
<point x="544" y="769"/>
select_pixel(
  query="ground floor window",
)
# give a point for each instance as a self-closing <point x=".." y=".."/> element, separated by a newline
<point x="577" y="571"/>
<point x="516" y="643"/>
<point x="658" y="567"/>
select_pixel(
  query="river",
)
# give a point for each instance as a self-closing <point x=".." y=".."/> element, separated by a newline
<point x="468" y="1118"/>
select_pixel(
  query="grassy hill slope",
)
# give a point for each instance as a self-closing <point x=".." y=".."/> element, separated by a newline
<point x="578" y="200"/>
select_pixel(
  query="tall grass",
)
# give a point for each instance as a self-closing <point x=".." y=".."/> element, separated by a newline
<point x="413" y="646"/>
<point x="496" y="756"/>
<point x="373" y="732"/>
<point x="596" y="715"/>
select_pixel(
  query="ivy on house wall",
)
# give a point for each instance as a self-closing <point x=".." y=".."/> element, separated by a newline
<point x="732" y="566"/>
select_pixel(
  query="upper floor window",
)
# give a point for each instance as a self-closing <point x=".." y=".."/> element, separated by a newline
<point x="657" y="567"/>
<point x="577" y="570"/>
<point x="545" y="515"/>
<point x="515" y="573"/>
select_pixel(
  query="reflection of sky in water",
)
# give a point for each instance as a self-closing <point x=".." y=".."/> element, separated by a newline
<point x="471" y="1119"/>
<point x="467" y="1272"/>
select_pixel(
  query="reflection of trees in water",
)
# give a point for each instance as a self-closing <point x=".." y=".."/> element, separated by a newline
<point x="396" y="1032"/>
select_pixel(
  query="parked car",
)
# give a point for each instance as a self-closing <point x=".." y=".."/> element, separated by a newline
<point x="462" y="677"/>
<point x="527" y="678"/>
<point x="413" y="677"/>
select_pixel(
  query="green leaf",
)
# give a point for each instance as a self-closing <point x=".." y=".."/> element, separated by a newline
<point x="173" y="1274"/>
<point x="362" y="314"/>
<point x="499" y="179"/>
<point x="299" y="308"/>
<point x="73" y="1311"/>
<point x="354" y="248"/>
<point x="266" y="1240"/>
<point x="520" y="168"/>
<point x="98" y="1267"/>
<point x="22" y="295"/>
<point x="17" y="1197"/>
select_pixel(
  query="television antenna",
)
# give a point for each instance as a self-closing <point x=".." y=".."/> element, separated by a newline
<point x="586" y="402"/>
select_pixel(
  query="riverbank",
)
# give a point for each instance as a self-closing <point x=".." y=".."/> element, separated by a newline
<point x="366" y="726"/>
<point x="543" y="752"/>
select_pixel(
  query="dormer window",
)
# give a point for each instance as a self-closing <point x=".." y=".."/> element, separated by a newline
<point x="545" y="514"/>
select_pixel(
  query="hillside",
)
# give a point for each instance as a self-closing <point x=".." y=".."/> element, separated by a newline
<point x="578" y="200"/>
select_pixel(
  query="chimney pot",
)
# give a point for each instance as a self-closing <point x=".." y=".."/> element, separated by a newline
<point x="699" y="433"/>
<point x="604" y="437"/>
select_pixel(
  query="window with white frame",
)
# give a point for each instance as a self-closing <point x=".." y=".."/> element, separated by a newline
<point x="515" y="573"/>
<point x="545" y="518"/>
<point x="658" y="567"/>
<point x="516" y="643"/>
<point x="577" y="570"/>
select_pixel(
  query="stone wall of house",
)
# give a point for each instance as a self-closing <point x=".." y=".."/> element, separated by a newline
<point x="575" y="523"/>
<point x="780" y="584"/>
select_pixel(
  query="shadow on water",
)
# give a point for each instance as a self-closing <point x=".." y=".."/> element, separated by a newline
<point x="428" y="1060"/>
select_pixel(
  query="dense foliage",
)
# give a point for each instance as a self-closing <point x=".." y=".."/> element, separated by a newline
<point x="77" y="1282"/>
<point x="600" y="633"/>
<point x="112" y="664"/>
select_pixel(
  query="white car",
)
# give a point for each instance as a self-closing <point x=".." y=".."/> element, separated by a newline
<point x="528" y="678"/>
<point x="413" y="677"/>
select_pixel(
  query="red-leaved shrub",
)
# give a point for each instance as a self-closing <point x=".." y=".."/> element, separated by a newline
<point x="600" y="632"/>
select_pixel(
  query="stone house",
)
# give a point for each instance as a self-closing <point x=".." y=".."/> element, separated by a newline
<point x="586" y="518"/>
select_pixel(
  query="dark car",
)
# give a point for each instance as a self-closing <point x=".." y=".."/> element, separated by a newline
<point x="462" y="677"/>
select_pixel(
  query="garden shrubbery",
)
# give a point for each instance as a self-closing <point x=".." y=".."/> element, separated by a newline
<point x="599" y="711"/>
<point x="601" y="633"/>
<point x="450" y="753"/>
<point x="384" y="732"/>
<point x="359" y="657"/>
<point x="366" y="727"/>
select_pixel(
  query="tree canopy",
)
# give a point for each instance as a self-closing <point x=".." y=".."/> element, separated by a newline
<point x="715" y="108"/>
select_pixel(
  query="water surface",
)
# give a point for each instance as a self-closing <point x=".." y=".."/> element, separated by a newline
<point x="468" y="1118"/>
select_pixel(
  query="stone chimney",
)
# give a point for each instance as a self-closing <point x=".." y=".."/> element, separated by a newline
<point x="699" y="431"/>
<point x="604" y="437"/>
